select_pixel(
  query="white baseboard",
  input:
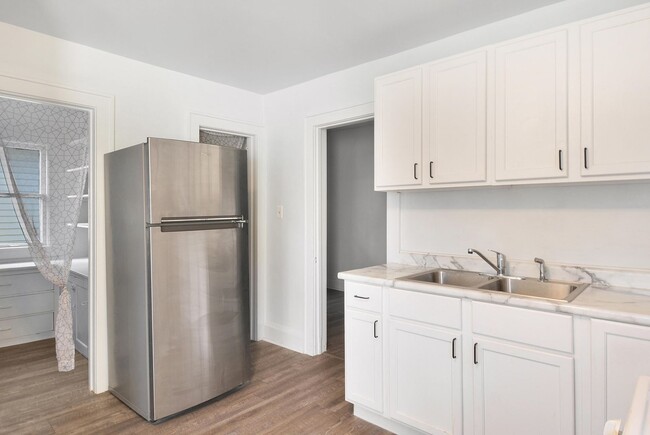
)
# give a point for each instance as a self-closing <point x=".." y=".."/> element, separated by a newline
<point x="384" y="422"/>
<point x="282" y="336"/>
<point x="335" y="285"/>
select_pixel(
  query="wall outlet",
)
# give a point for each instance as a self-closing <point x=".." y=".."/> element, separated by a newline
<point x="279" y="212"/>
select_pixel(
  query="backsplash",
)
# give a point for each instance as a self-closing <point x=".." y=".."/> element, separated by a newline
<point x="597" y="276"/>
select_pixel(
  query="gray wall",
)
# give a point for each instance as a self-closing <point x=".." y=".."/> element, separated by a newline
<point x="356" y="214"/>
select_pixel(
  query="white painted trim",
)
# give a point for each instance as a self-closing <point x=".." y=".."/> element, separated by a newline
<point x="103" y="129"/>
<point x="255" y="135"/>
<point x="282" y="336"/>
<point x="315" y="339"/>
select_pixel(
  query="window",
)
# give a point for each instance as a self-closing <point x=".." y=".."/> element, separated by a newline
<point x="26" y="166"/>
<point x="224" y="139"/>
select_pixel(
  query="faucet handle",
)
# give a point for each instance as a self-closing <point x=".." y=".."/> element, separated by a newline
<point x="500" y="256"/>
<point x="542" y="274"/>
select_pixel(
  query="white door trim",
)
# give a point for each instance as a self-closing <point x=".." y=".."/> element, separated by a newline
<point x="255" y="134"/>
<point x="316" y="219"/>
<point x="102" y="108"/>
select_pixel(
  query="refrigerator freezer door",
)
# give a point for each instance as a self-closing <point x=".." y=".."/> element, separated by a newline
<point x="189" y="179"/>
<point x="200" y="314"/>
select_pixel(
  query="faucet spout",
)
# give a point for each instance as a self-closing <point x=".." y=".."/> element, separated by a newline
<point x="501" y="260"/>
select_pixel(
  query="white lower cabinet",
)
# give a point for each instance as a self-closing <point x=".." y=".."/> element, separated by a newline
<point x="27" y="305"/>
<point x="620" y="353"/>
<point x="363" y="347"/>
<point x="521" y="390"/>
<point x="448" y="365"/>
<point x="425" y="377"/>
<point x="79" y="301"/>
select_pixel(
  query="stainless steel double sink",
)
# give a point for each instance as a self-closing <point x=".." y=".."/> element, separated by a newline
<point x="528" y="287"/>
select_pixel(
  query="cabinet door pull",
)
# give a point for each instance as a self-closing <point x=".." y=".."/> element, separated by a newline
<point x="453" y="348"/>
<point x="361" y="297"/>
<point x="560" y="160"/>
<point x="586" y="165"/>
<point x="475" y="354"/>
<point x="415" y="171"/>
<point x="430" y="169"/>
<point x="374" y="327"/>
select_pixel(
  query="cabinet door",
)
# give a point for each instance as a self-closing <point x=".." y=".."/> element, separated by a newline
<point x="363" y="359"/>
<point x="79" y="304"/>
<point x="620" y="354"/>
<point x="521" y="390"/>
<point x="454" y="119"/>
<point x="398" y="129"/>
<point x="615" y="80"/>
<point x="531" y="112"/>
<point x="81" y="321"/>
<point x="425" y="377"/>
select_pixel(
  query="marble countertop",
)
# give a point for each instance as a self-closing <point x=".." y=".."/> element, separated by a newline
<point x="80" y="267"/>
<point x="611" y="303"/>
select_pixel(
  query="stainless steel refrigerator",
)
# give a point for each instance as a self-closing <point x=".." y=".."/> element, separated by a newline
<point x="177" y="274"/>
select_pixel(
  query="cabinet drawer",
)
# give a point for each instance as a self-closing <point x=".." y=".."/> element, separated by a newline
<point x="427" y="308"/>
<point x="27" y="304"/>
<point x="536" y="328"/>
<point x="21" y="326"/>
<point x="363" y="296"/>
<point x="23" y="283"/>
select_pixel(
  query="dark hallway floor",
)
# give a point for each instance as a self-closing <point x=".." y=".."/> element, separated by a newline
<point x="335" y="323"/>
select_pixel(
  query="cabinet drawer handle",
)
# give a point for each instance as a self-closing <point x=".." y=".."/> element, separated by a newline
<point x="5" y="329"/>
<point x="415" y="171"/>
<point x="430" y="169"/>
<point x="586" y="165"/>
<point x="475" y="354"/>
<point x="374" y="329"/>
<point x="453" y="348"/>
<point x="560" y="160"/>
<point x="361" y="297"/>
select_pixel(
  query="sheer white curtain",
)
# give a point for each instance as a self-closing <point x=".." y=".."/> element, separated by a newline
<point x="63" y="135"/>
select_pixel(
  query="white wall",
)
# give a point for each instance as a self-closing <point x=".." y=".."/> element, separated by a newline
<point x="605" y="226"/>
<point x="149" y="101"/>
<point x="356" y="214"/>
<point x="286" y="111"/>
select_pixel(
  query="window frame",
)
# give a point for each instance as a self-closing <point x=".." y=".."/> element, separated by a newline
<point x="22" y="250"/>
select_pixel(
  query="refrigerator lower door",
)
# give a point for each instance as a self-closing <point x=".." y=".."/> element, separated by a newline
<point x="200" y="315"/>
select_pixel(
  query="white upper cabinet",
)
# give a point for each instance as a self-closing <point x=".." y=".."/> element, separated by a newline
<point x="398" y="129"/>
<point x="454" y="120"/>
<point x="567" y="105"/>
<point x="615" y="83"/>
<point x="531" y="110"/>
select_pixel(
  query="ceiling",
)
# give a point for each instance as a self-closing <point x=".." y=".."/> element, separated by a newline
<point x="258" y="45"/>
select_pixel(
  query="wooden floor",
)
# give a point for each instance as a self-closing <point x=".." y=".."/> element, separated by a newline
<point x="335" y="323"/>
<point x="289" y="393"/>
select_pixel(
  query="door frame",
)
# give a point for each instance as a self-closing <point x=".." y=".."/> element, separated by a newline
<point x="255" y="141"/>
<point x="102" y="109"/>
<point x="315" y="340"/>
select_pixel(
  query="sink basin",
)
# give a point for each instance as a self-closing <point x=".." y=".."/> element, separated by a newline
<point x="556" y="290"/>
<point x="455" y="278"/>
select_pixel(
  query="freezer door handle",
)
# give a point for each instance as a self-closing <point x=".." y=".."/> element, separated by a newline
<point x="200" y="223"/>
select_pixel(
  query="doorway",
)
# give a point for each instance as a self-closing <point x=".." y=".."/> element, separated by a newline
<point x="356" y="218"/>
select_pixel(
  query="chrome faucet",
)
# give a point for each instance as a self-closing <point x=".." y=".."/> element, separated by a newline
<point x="542" y="275"/>
<point x="500" y="267"/>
